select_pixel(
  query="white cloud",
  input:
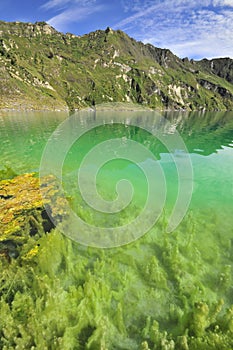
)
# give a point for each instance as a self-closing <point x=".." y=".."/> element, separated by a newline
<point x="201" y="28"/>
<point x="139" y="14"/>
<point x="70" y="11"/>
<point x="72" y="15"/>
<point x="55" y="4"/>
<point x="223" y="3"/>
<point x="61" y="4"/>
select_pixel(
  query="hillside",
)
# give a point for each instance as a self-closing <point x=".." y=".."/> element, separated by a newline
<point x="41" y="68"/>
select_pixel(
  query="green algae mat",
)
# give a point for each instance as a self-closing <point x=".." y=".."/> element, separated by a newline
<point x="161" y="290"/>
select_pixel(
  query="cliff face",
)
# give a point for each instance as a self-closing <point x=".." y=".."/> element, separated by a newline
<point x="28" y="30"/>
<point x="41" y="68"/>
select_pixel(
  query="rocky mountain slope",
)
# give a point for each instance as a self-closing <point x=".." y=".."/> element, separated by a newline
<point x="41" y="68"/>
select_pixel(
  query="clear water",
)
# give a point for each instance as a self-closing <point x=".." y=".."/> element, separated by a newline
<point x="23" y="137"/>
<point x="204" y="239"/>
<point x="207" y="136"/>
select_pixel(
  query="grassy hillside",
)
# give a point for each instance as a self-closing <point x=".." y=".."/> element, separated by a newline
<point x="41" y="68"/>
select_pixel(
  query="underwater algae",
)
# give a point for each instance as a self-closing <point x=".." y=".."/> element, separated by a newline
<point x="164" y="291"/>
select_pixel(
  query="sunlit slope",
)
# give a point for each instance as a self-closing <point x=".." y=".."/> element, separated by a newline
<point x="41" y="68"/>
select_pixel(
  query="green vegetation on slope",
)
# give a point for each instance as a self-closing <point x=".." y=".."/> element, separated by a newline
<point x="41" y="68"/>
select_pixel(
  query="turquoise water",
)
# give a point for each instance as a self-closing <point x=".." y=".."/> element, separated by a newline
<point x="207" y="136"/>
<point x="23" y="137"/>
<point x="179" y="282"/>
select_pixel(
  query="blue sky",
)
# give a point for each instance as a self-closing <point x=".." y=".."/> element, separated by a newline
<point x="192" y="28"/>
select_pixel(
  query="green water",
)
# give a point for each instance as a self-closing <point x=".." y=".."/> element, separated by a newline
<point x="23" y="137"/>
<point x="163" y="291"/>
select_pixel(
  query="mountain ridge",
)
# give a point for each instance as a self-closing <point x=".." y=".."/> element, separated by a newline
<point x="41" y="68"/>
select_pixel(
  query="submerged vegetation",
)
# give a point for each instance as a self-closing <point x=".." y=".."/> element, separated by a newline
<point x="164" y="291"/>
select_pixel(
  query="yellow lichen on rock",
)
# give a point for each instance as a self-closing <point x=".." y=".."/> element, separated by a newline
<point x="23" y="216"/>
<point x="18" y="197"/>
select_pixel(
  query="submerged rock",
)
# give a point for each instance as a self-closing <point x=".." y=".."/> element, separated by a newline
<point x="22" y="214"/>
